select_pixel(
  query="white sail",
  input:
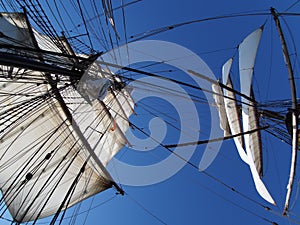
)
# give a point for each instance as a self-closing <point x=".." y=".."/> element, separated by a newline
<point x="247" y="55"/>
<point x="20" y="156"/>
<point x="219" y="100"/>
<point x="104" y="122"/>
<point x="41" y="153"/>
<point x="232" y="111"/>
<point x="14" y="27"/>
<point x="255" y="138"/>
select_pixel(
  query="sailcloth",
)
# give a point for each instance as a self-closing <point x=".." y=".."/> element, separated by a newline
<point x="247" y="55"/>
<point x="248" y="145"/>
<point x="232" y="111"/>
<point x="41" y="154"/>
<point x="219" y="99"/>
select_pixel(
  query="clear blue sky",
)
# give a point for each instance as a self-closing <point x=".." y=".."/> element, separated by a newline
<point x="192" y="197"/>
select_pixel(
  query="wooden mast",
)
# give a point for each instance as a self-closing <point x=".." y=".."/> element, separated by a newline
<point x="294" y="112"/>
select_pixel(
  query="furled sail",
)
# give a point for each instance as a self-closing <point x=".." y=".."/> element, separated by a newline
<point x="42" y="157"/>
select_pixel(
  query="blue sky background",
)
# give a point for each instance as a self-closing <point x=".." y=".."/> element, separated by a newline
<point x="190" y="196"/>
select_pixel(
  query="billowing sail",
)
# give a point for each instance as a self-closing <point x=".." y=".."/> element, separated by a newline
<point x="248" y="144"/>
<point x="255" y="137"/>
<point x="14" y="30"/>
<point x="247" y="55"/>
<point x="43" y="156"/>
<point x="232" y="111"/>
<point x="219" y="100"/>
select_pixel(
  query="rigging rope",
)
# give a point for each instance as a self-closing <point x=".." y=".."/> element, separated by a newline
<point x="68" y="196"/>
<point x="78" y="0"/>
<point x="207" y="174"/>
<point x="83" y="19"/>
<point x="145" y="209"/>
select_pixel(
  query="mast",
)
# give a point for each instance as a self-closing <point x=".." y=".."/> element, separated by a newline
<point x="294" y="112"/>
